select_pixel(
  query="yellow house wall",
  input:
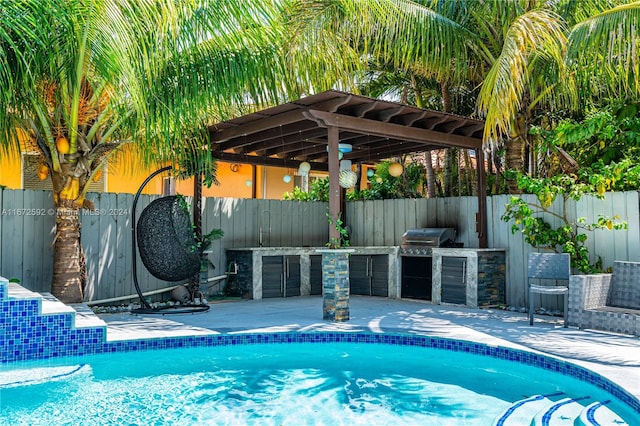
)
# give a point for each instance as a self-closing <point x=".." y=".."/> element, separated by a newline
<point x="235" y="182"/>
<point x="126" y="176"/>
<point x="10" y="170"/>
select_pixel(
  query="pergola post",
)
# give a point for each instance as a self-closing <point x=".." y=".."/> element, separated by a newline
<point x="481" y="215"/>
<point x="333" y="138"/>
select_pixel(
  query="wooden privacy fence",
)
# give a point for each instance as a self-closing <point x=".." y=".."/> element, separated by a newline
<point x="27" y="231"/>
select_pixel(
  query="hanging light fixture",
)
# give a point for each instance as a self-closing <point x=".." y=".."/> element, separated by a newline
<point x="286" y="178"/>
<point x="395" y="169"/>
<point x="304" y="168"/>
<point x="347" y="178"/>
<point x="344" y="147"/>
<point x="370" y="173"/>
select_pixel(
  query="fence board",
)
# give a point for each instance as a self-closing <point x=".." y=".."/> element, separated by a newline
<point x="12" y="259"/>
<point x="632" y="215"/>
<point x="269" y="223"/>
<point x="319" y="224"/>
<point x="90" y="233"/>
<point x="48" y="234"/>
<point x="421" y="212"/>
<point x="29" y="247"/>
<point x="226" y="224"/>
<point x="410" y="214"/>
<point x="291" y="224"/>
<point x="391" y="208"/>
<point x="366" y="236"/>
<point x="378" y="223"/>
<point x="399" y="225"/>
<point x="106" y="262"/>
<point x="354" y="220"/>
<point x="122" y="217"/>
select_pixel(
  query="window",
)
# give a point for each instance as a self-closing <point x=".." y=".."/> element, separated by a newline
<point x="30" y="178"/>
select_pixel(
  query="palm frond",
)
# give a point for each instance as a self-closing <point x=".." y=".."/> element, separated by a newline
<point x="606" y="48"/>
<point x="538" y="32"/>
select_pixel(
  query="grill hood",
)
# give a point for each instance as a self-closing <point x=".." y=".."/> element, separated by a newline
<point x="428" y="237"/>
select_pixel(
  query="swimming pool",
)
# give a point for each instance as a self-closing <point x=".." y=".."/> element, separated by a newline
<point x="295" y="378"/>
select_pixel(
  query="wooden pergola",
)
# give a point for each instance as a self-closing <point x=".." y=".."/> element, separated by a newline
<point x="310" y="129"/>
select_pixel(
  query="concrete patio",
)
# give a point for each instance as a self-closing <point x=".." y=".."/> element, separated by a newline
<point x="614" y="356"/>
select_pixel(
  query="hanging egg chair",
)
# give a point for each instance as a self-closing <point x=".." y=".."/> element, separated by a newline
<point x="166" y="242"/>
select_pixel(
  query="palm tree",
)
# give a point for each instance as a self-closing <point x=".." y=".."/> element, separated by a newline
<point x="81" y="80"/>
<point x="522" y="54"/>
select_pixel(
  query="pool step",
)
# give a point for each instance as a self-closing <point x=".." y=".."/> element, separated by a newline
<point x="562" y="412"/>
<point x="80" y="314"/>
<point x="38" y="325"/>
<point x="521" y="412"/>
<point x="598" y="413"/>
<point x="539" y="410"/>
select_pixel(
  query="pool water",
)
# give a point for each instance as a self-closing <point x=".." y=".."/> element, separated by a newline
<point x="277" y="384"/>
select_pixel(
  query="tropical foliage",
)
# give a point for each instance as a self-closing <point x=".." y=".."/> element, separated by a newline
<point x="608" y="133"/>
<point x="381" y="185"/>
<point x="318" y="191"/>
<point x="544" y="229"/>
<point x="529" y="58"/>
<point x="84" y="80"/>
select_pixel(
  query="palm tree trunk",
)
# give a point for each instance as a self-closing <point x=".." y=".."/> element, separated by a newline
<point x="492" y="188"/>
<point x="431" y="176"/>
<point x="67" y="262"/>
<point x="450" y="157"/>
<point x="428" y="162"/>
<point x="515" y="149"/>
<point x="449" y="152"/>
<point x="469" y="176"/>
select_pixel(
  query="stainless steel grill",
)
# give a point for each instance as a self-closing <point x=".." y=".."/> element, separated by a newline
<point x="420" y="241"/>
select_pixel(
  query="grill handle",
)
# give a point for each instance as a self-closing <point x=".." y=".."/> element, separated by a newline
<point x="423" y="242"/>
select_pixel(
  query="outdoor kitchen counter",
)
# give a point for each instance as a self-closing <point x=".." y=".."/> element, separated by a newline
<point x="253" y="269"/>
<point x="469" y="276"/>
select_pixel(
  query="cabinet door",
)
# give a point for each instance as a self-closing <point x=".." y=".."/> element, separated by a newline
<point x="291" y="276"/>
<point x="379" y="271"/>
<point x="453" y="284"/>
<point x="316" y="274"/>
<point x="416" y="277"/>
<point x="359" y="275"/>
<point x="272" y="276"/>
<point x="240" y="284"/>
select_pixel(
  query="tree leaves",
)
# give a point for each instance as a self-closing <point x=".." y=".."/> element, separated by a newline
<point x="533" y="220"/>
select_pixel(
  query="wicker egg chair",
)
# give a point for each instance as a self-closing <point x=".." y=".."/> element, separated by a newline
<point x="166" y="242"/>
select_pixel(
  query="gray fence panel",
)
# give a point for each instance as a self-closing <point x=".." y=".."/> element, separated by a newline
<point x="26" y="252"/>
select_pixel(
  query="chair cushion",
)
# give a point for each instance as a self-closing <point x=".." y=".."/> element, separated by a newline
<point x="540" y="289"/>
<point x="625" y="285"/>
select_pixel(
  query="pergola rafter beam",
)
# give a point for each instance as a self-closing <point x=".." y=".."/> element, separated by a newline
<point x="372" y="127"/>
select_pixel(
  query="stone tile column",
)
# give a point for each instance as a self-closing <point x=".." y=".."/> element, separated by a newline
<point x="335" y="284"/>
